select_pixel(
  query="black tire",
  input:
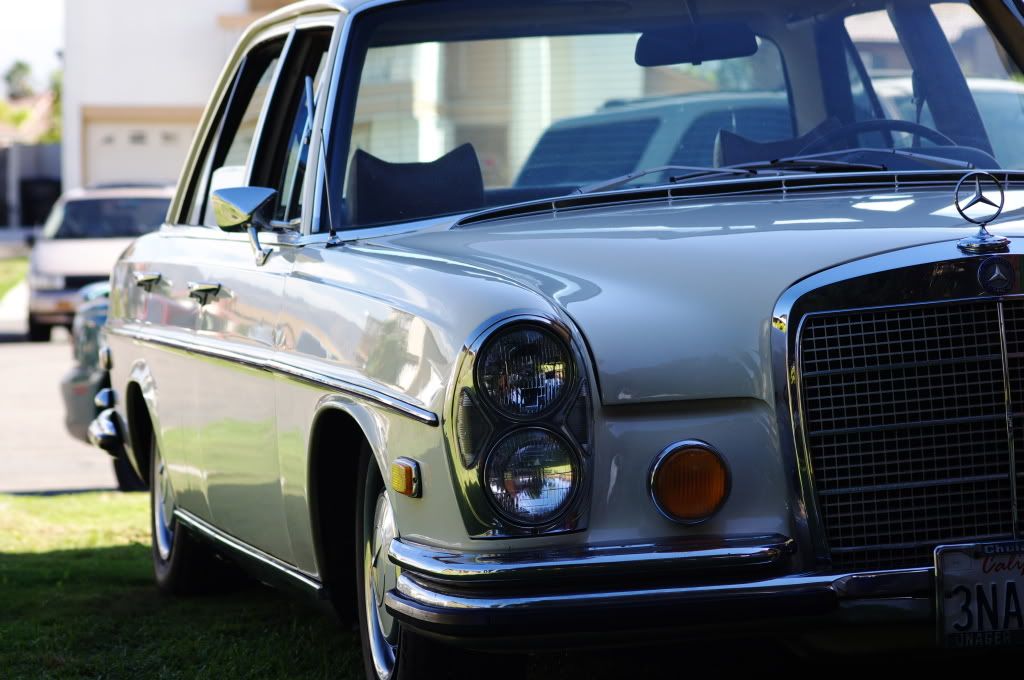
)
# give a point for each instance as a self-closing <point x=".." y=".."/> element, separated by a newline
<point x="182" y="565"/>
<point x="127" y="479"/>
<point x="38" y="332"/>
<point x="414" y="656"/>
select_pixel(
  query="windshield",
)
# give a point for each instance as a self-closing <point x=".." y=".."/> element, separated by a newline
<point x="461" y="106"/>
<point x="105" y="218"/>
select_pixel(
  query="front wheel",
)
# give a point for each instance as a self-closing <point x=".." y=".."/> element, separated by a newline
<point x="390" y="651"/>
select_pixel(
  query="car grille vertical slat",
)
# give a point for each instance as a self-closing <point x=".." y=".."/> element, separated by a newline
<point x="905" y="415"/>
<point x="1013" y="314"/>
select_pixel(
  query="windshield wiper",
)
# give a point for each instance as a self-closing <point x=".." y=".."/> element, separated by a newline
<point x="813" y="164"/>
<point x="689" y="170"/>
<point x="823" y="157"/>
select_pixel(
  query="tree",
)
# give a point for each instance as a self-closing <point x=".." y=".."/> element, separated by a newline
<point x="53" y="134"/>
<point x="19" y="80"/>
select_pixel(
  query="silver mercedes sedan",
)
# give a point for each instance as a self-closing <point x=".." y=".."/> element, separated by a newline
<point x="494" y="323"/>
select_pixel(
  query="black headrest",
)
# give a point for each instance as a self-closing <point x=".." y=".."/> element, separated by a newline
<point x="734" y="149"/>
<point x="379" y="191"/>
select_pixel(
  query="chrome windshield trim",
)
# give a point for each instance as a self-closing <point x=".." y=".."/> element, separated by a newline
<point x="213" y="533"/>
<point x="733" y="187"/>
<point x="274" y="365"/>
<point x="542" y="565"/>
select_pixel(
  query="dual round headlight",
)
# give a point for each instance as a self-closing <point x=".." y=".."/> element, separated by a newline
<point x="526" y="374"/>
<point x="531" y="475"/>
<point x="525" y="371"/>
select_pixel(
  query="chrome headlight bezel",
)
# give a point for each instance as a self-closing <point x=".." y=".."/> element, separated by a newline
<point x="570" y="418"/>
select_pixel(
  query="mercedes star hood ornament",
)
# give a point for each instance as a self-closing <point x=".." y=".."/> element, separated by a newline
<point x="975" y="201"/>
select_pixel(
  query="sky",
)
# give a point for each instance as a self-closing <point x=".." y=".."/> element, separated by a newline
<point x="32" y="30"/>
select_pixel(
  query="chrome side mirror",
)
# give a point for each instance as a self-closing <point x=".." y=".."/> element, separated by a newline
<point x="245" y="208"/>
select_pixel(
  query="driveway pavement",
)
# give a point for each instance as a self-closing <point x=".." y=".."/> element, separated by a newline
<point x="36" y="452"/>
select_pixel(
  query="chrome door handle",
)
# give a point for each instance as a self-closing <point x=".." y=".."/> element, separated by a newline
<point x="202" y="291"/>
<point x="146" y="280"/>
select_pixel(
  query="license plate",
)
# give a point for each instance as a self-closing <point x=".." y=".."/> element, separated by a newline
<point x="980" y="594"/>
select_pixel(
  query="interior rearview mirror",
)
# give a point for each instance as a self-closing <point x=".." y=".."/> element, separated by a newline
<point x="695" y="43"/>
<point x="246" y="208"/>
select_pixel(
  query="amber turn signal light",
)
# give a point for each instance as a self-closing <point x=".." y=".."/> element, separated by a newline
<point x="405" y="477"/>
<point x="689" y="482"/>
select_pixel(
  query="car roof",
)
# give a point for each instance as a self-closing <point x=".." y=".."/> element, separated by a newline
<point x="118" y="192"/>
<point x="668" y="106"/>
<point x="893" y="86"/>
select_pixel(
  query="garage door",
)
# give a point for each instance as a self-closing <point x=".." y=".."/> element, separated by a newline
<point x="143" y="152"/>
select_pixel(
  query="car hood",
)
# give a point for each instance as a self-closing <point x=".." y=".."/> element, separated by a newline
<point x="77" y="257"/>
<point x="675" y="301"/>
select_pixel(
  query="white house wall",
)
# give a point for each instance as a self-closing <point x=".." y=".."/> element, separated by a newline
<point x="139" y="54"/>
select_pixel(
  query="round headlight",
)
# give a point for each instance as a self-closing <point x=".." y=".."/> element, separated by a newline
<point x="524" y="371"/>
<point x="531" y="475"/>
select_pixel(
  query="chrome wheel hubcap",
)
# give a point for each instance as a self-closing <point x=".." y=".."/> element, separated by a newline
<point x="379" y="576"/>
<point x="163" y="508"/>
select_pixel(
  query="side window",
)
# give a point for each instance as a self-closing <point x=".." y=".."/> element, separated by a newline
<point x="230" y="144"/>
<point x="282" y="157"/>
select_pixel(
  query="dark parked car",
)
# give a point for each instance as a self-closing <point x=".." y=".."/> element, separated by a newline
<point x="85" y="379"/>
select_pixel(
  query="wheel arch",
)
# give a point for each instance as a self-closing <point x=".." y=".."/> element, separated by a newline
<point x="141" y="416"/>
<point x="339" y="430"/>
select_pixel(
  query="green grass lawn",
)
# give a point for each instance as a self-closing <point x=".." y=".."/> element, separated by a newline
<point x="77" y="601"/>
<point x="11" y="272"/>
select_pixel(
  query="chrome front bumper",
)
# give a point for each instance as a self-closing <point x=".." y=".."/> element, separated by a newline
<point x="680" y="584"/>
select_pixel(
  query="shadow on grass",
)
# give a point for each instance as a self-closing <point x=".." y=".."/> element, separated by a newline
<point x="63" y="492"/>
<point x="95" y="613"/>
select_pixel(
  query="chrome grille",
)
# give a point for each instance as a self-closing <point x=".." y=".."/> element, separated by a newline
<point x="905" y="413"/>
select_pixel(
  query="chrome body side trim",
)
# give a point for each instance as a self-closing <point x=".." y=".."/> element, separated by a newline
<point x="674" y="556"/>
<point x="216" y="535"/>
<point x="269" y="363"/>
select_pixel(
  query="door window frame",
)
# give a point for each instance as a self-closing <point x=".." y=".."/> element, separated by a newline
<point x="187" y="209"/>
<point x="189" y="203"/>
